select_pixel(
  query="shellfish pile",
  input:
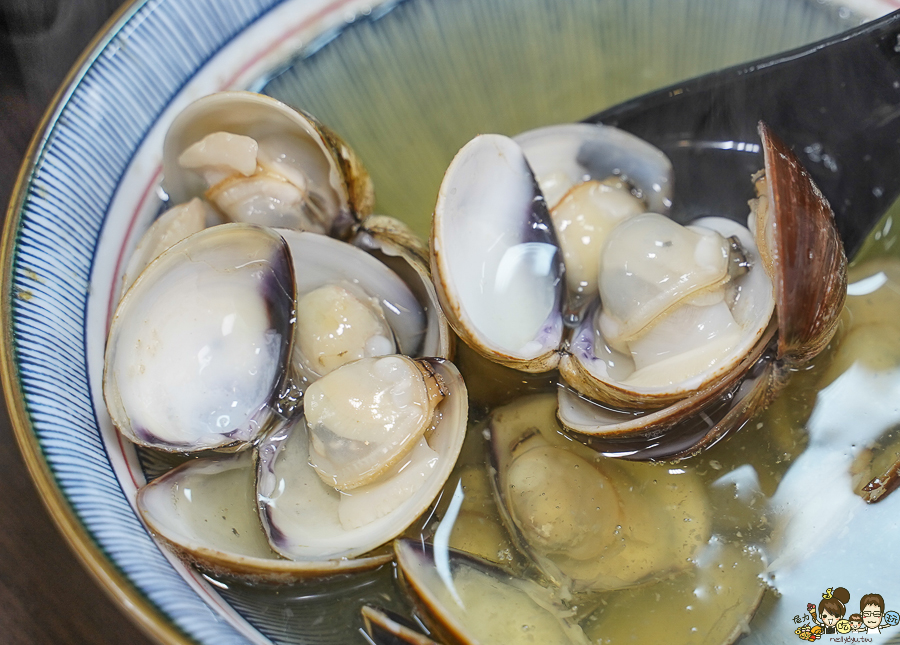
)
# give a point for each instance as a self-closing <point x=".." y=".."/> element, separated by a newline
<point x="651" y="324"/>
<point x="294" y="346"/>
<point x="268" y="327"/>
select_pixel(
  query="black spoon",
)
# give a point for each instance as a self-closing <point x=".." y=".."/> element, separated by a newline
<point x="836" y="103"/>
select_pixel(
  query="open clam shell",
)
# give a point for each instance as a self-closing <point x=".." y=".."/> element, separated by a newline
<point x="301" y="155"/>
<point x="467" y="600"/>
<point x="587" y="521"/>
<point x="494" y="256"/>
<point x="798" y="240"/>
<point x="592" y="367"/>
<point x="797" y="225"/>
<point x="415" y="327"/>
<point x="308" y="519"/>
<point x="564" y="155"/>
<point x="683" y="428"/>
<point x="205" y="510"/>
<point x="196" y="349"/>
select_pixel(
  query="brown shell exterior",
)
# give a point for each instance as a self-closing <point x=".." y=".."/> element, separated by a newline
<point x="360" y="190"/>
<point x="667" y="435"/>
<point x="811" y="275"/>
<point x="395" y="238"/>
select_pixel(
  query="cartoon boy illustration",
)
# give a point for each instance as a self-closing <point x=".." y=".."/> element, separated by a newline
<point x="871" y="606"/>
<point x="832" y="608"/>
<point x="856" y="623"/>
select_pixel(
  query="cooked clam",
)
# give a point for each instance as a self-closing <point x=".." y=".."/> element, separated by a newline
<point x="367" y="416"/>
<point x="352" y="305"/>
<point x="378" y="440"/>
<point x="206" y="511"/>
<point x="677" y="311"/>
<point x="197" y="348"/>
<point x="692" y="324"/>
<point x="590" y="522"/>
<point x="467" y="600"/>
<point x="259" y="161"/>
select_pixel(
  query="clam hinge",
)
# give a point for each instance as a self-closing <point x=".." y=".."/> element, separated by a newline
<point x="556" y="250"/>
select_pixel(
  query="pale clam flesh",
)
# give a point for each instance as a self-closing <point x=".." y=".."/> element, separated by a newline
<point x="589" y="521"/>
<point x="676" y="311"/>
<point x="339" y="483"/>
<point x="260" y="161"/>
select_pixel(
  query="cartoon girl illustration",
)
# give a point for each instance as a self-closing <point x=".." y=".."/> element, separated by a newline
<point x="871" y="606"/>
<point x="832" y="608"/>
<point x="856" y="622"/>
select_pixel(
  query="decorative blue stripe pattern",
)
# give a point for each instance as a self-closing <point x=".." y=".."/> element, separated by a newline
<point x="144" y="65"/>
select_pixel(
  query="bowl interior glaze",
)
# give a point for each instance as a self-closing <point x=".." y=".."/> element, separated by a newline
<point x="406" y="83"/>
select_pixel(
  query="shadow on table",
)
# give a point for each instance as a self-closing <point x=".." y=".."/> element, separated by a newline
<point x="45" y="594"/>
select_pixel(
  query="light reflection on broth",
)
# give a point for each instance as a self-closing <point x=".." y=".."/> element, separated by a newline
<point x="785" y="491"/>
<point x="745" y="475"/>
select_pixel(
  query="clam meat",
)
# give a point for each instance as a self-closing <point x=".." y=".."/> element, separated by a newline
<point x="352" y="305"/>
<point x="635" y="310"/>
<point x="589" y="521"/>
<point x="259" y="161"/>
<point x="377" y="441"/>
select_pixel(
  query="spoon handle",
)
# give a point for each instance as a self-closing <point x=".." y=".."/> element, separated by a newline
<point x="836" y="103"/>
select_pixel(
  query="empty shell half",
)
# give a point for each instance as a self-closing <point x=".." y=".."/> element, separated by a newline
<point x="205" y="510"/>
<point x="196" y="349"/>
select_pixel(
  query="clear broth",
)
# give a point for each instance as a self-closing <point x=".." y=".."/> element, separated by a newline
<point x="407" y="90"/>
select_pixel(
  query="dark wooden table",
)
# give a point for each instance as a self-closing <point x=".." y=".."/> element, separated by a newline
<point x="46" y="596"/>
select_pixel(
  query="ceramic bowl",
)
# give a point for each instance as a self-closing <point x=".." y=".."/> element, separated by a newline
<point x="406" y="83"/>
